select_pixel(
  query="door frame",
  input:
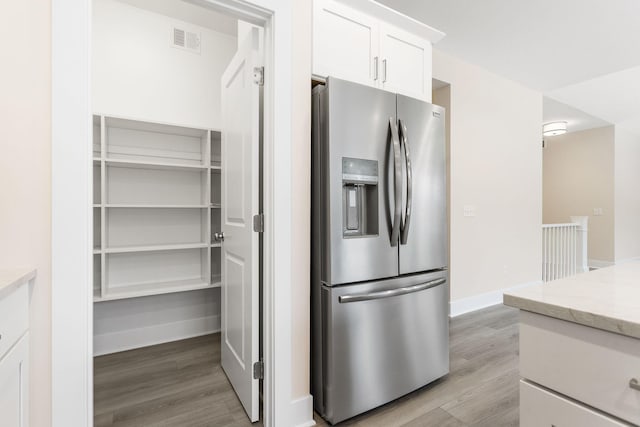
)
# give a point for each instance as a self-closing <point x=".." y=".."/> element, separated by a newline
<point x="71" y="195"/>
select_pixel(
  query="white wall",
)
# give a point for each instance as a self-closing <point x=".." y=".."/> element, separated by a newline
<point x="578" y="176"/>
<point x="136" y="322"/>
<point x="496" y="165"/>
<point x="25" y="171"/>
<point x="136" y="73"/>
<point x="627" y="195"/>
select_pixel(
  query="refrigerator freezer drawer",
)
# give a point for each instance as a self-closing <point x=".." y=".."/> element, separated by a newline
<point x="382" y="340"/>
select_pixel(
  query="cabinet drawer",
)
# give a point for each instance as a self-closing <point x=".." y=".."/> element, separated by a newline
<point x="539" y="407"/>
<point x="14" y="317"/>
<point x="583" y="363"/>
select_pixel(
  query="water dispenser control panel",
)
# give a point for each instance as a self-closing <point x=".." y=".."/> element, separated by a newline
<point x="359" y="197"/>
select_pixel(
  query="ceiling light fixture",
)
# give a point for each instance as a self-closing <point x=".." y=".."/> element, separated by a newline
<point x="554" y="128"/>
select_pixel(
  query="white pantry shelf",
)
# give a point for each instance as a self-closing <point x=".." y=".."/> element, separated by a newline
<point x="143" y="164"/>
<point x="154" y="248"/>
<point x="155" y="288"/>
<point x="136" y="206"/>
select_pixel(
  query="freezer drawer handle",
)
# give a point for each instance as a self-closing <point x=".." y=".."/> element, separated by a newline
<point x="397" y="180"/>
<point x="391" y="292"/>
<point x="404" y="227"/>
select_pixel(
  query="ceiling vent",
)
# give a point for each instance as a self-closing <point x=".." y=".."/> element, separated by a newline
<point x="185" y="40"/>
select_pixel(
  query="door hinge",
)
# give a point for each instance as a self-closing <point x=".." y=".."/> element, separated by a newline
<point x="258" y="370"/>
<point x="258" y="75"/>
<point x="258" y="223"/>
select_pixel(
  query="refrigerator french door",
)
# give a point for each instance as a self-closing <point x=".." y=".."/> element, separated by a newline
<point x="379" y="256"/>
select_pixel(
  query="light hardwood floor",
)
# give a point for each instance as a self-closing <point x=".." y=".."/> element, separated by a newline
<point x="182" y="384"/>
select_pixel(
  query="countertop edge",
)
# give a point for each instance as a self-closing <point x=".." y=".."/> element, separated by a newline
<point x="12" y="278"/>
<point x="593" y="320"/>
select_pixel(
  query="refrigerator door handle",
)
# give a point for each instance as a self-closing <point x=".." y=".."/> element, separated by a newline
<point x="397" y="180"/>
<point x="390" y="292"/>
<point x="404" y="228"/>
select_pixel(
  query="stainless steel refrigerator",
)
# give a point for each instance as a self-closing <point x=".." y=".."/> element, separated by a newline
<point x="379" y="248"/>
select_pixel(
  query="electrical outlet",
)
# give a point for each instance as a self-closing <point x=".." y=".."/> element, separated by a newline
<point x="597" y="212"/>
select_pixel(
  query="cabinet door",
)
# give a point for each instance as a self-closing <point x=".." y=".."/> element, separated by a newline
<point x="405" y="65"/>
<point x="345" y="43"/>
<point x="14" y="385"/>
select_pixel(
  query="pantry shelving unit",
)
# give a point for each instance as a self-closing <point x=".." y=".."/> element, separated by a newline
<point x="156" y="207"/>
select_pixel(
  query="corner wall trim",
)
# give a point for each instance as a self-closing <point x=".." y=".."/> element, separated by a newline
<point x="156" y="334"/>
<point x="477" y="302"/>
<point x="300" y="410"/>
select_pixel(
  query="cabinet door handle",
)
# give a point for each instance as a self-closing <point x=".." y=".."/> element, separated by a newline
<point x="634" y="384"/>
<point x="375" y="68"/>
<point x="384" y="70"/>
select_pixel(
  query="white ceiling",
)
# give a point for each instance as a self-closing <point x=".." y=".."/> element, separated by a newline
<point x="584" y="53"/>
<point x="188" y="12"/>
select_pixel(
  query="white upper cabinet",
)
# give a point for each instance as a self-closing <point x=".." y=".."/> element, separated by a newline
<point x="345" y="43"/>
<point x="406" y="62"/>
<point x="366" y="42"/>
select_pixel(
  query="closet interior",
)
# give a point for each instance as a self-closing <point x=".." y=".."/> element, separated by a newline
<point x="156" y="70"/>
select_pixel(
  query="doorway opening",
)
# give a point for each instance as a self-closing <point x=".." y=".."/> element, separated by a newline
<point x="176" y="94"/>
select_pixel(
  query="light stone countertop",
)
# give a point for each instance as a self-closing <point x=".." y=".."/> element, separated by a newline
<point x="13" y="278"/>
<point x="607" y="299"/>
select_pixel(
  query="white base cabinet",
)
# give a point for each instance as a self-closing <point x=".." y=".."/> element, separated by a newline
<point x="14" y="385"/>
<point x="371" y="46"/>
<point x="584" y="374"/>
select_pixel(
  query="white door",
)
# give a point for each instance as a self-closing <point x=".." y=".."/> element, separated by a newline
<point x="345" y="43"/>
<point x="405" y="65"/>
<point x="240" y="180"/>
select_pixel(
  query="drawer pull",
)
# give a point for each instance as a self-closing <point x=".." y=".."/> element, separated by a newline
<point x="634" y="384"/>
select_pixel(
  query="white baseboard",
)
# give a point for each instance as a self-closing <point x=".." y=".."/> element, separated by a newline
<point x="302" y="412"/>
<point x="156" y="334"/>
<point x="597" y="263"/>
<point x="477" y="302"/>
<point x="626" y="260"/>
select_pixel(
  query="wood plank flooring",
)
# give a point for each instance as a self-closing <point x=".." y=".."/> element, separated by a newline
<point x="182" y="384"/>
